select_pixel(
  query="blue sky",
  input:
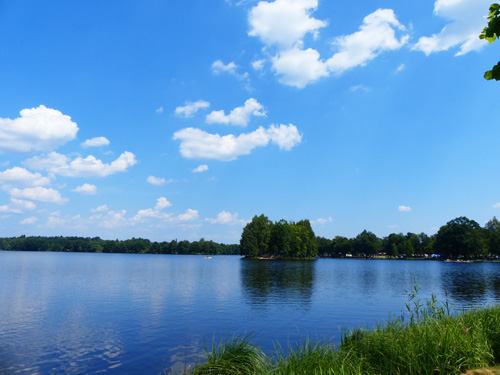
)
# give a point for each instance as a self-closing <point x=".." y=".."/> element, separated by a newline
<point x="184" y="119"/>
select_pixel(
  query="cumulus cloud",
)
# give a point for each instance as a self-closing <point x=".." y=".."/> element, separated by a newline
<point x="86" y="189"/>
<point x="38" y="194"/>
<point x="95" y="142"/>
<point x="191" y="108"/>
<point x="29" y="221"/>
<point x="466" y="21"/>
<point x="297" y="67"/>
<point x="376" y="35"/>
<point x="162" y="203"/>
<point x="200" y="168"/>
<point x="189" y="215"/>
<point x="81" y="167"/>
<point x="114" y="219"/>
<point x="282" y="25"/>
<point x="404" y="208"/>
<point x="238" y="116"/>
<point x="158" y="181"/>
<point x="17" y="206"/>
<point x="322" y="220"/>
<point x="159" y="110"/>
<point x="198" y="144"/>
<point x="284" y="22"/>
<point x="20" y="176"/>
<point x="400" y="68"/>
<point x="37" y="129"/>
<point x="226" y="218"/>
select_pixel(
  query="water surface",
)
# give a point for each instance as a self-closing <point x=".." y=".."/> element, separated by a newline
<point x="73" y="313"/>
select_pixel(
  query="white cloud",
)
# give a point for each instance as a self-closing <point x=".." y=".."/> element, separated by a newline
<point x="200" y="168"/>
<point x="322" y="221"/>
<point x="17" y="206"/>
<point x="95" y="142"/>
<point x="38" y="129"/>
<point x="282" y="25"/>
<point x="226" y="218"/>
<point x="103" y="208"/>
<point x="114" y="219"/>
<point x="285" y="137"/>
<point x="38" y="194"/>
<point x="284" y="22"/>
<point x="218" y="67"/>
<point x="190" y="109"/>
<point x="22" y="204"/>
<point x="360" y="87"/>
<point x="376" y="35"/>
<point x="162" y="203"/>
<point x="21" y="176"/>
<point x="239" y="115"/>
<point x="86" y="189"/>
<point x="393" y="226"/>
<point x="467" y="21"/>
<point x="404" y="208"/>
<point x="198" y="144"/>
<point x="258" y="64"/>
<point x="29" y="221"/>
<point x="400" y="68"/>
<point x="189" y="215"/>
<point x="81" y="167"/>
<point x="159" y="110"/>
<point x="158" y="181"/>
<point x="297" y="67"/>
<point x="155" y="213"/>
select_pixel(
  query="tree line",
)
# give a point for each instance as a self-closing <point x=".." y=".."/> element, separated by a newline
<point x="460" y="237"/>
<point x="97" y="245"/>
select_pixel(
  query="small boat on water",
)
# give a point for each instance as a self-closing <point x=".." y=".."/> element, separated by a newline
<point x="208" y="257"/>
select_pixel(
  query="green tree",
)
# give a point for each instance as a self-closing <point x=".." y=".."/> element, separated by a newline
<point x="255" y="237"/>
<point x="460" y="237"/>
<point x="491" y="33"/>
<point x="307" y="239"/>
<point x="280" y="238"/>
<point x="492" y="230"/>
<point x="367" y="243"/>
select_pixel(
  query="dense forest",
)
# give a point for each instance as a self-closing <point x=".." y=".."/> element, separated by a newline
<point x="459" y="238"/>
<point x="97" y="245"/>
<point x="263" y="238"/>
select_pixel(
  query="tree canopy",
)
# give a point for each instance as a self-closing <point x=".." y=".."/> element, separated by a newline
<point x="263" y="238"/>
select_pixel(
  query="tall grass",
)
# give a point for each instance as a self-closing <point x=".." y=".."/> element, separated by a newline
<point x="429" y="339"/>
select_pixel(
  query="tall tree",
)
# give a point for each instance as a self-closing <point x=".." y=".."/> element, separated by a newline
<point x="460" y="237"/>
<point x="255" y="237"/>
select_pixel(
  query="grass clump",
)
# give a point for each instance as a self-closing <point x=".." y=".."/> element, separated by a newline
<point x="429" y="339"/>
<point x="235" y="356"/>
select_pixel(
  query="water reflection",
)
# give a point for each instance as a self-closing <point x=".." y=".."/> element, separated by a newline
<point x="283" y="282"/>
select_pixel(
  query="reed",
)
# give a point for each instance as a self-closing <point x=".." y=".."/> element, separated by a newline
<point x="428" y="339"/>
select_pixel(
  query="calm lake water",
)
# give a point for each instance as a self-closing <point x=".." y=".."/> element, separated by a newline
<point x="72" y="313"/>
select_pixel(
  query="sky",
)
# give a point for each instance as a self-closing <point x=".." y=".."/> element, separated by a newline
<point x="182" y="119"/>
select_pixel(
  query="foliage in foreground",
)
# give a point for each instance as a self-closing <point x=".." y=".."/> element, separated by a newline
<point x="427" y="340"/>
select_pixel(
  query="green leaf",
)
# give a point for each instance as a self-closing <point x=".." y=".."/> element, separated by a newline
<point x="494" y="10"/>
<point x="496" y="72"/>
<point x="488" y="75"/>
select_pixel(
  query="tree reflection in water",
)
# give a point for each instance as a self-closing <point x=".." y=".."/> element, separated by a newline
<point x="277" y="282"/>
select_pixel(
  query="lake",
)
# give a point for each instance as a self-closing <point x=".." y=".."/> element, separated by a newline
<point x="75" y="313"/>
